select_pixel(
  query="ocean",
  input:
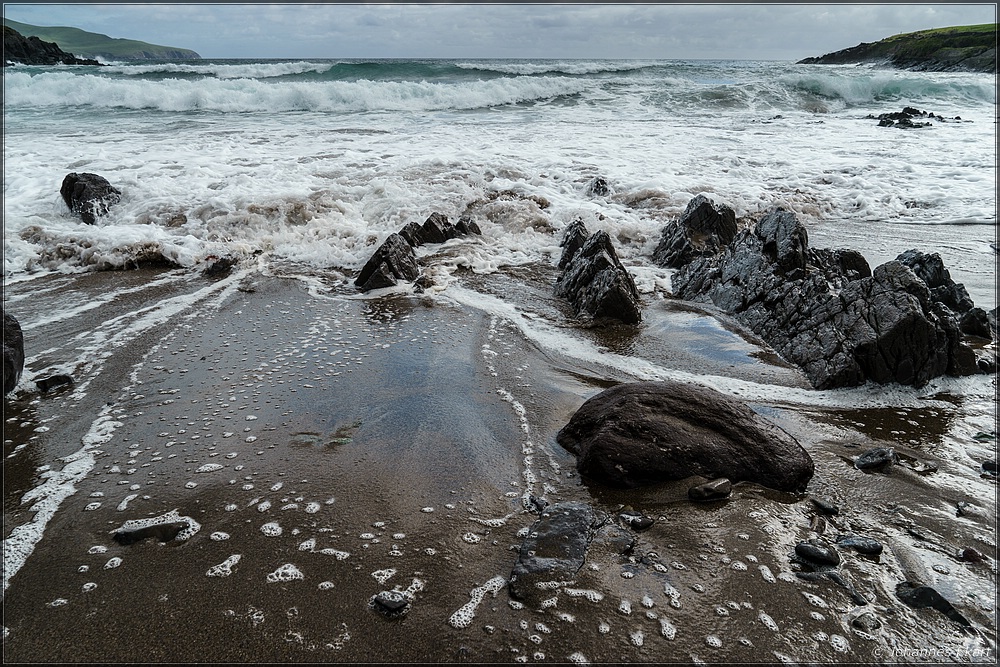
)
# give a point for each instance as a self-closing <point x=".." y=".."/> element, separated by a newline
<point x="299" y="169"/>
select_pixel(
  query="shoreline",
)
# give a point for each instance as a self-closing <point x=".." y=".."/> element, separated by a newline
<point x="368" y="412"/>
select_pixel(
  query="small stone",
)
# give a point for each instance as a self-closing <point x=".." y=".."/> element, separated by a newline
<point x="878" y="458"/>
<point x="817" y="551"/>
<point x="164" y="532"/>
<point x="636" y="520"/>
<point x="717" y="489"/>
<point x="968" y="509"/>
<point x="970" y="555"/>
<point x="990" y="467"/>
<point x="864" y="545"/>
<point x="825" y="506"/>
<point x="866" y="622"/>
<point x="53" y="381"/>
<point x="391" y="602"/>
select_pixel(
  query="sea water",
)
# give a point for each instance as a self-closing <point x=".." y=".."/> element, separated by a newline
<point x="301" y="168"/>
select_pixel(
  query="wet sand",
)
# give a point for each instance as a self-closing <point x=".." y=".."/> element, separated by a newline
<point x="394" y="442"/>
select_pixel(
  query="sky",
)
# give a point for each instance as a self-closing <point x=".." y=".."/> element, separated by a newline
<point x="750" y="31"/>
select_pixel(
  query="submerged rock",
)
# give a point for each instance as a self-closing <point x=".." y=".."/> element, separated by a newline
<point x="878" y="458"/>
<point x="89" y="195"/>
<point x="716" y="489"/>
<point x="823" y="311"/>
<point x="555" y="549"/>
<point x="13" y="352"/>
<point x="923" y="597"/>
<point x="593" y="278"/>
<point x="650" y="432"/>
<point x="863" y="545"/>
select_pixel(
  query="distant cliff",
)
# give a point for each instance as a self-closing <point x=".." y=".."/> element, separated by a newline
<point x="971" y="48"/>
<point x="95" y="45"/>
<point x="32" y="51"/>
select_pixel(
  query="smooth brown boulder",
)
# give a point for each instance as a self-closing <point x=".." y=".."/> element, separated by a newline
<point x="649" y="432"/>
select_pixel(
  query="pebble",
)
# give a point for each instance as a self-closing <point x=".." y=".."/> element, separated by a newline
<point x="878" y="458"/>
<point x="716" y="489"/>
<point x="864" y="545"/>
<point x="825" y="506"/>
<point x="817" y="551"/>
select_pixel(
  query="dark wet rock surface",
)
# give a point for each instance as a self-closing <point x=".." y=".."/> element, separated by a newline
<point x="716" y="489"/>
<point x="13" y="352"/>
<point x="89" y="195"/>
<point x="876" y="459"/>
<point x="926" y="597"/>
<point x="648" y="432"/>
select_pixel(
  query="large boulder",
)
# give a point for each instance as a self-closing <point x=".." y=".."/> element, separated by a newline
<point x="827" y="312"/>
<point x="594" y="279"/>
<point x="393" y="261"/>
<point x="89" y="195"/>
<point x="13" y="352"/>
<point x="648" y="432"/>
<point x="704" y="228"/>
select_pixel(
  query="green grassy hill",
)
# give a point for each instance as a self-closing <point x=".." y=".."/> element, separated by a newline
<point x="85" y="44"/>
<point x="957" y="48"/>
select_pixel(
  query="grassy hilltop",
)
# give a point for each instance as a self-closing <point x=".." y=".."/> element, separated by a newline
<point x="95" y="45"/>
<point x="957" y="48"/>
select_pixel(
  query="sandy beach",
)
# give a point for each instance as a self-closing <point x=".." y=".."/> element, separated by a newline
<point x="330" y="447"/>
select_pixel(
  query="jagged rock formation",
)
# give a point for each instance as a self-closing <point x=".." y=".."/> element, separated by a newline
<point x="593" y="278"/>
<point x="18" y="49"/>
<point x="89" y="195"/>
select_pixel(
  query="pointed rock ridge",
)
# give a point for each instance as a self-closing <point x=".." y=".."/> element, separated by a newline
<point x="89" y="195"/>
<point x="645" y="433"/>
<point x="704" y="228"/>
<point x="393" y="261"/>
<point x="593" y="278"/>
<point x="825" y="311"/>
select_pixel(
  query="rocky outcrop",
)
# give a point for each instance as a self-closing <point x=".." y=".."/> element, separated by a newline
<point x="704" y="228"/>
<point x="593" y="278"/>
<point x="650" y="432"/>
<point x="827" y="312"/>
<point x="395" y="259"/>
<point x="13" y="352"/>
<point x="959" y="48"/>
<point x="89" y="195"/>
<point x="18" y="49"/>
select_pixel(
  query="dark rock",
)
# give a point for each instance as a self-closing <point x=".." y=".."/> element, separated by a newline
<point x="825" y="506"/>
<point x="704" y="228"/>
<point x="864" y="545"/>
<point x="970" y="510"/>
<point x="611" y="540"/>
<point x="467" y="226"/>
<point x="536" y="505"/>
<point x="784" y="240"/>
<point x="391" y="603"/>
<point x="866" y="622"/>
<point x="13" y="352"/>
<point x="164" y="532"/>
<point x="817" y="551"/>
<point x="878" y="458"/>
<point x="393" y="261"/>
<point x="595" y="281"/>
<point x="411" y="233"/>
<point x="220" y="267"/>
<point x="574" y="237"/>
<point x="598" y="187"/>
<point x="436" y="229"/>
<point x="636" y="520"/>
<point x="970" y="555"/>
<point x="650" y="432"/>
<point x="989" y="467"/>
<point x="717" y="489"/>
<point x="33" y="51"/>
<point x="922" y="597"/>
<point x="53" y="381"/>
<point x="89" y="195"/>
<point x="554" y="550"/>
<point x="838" y="578"/>
<point x="822" y="311"/>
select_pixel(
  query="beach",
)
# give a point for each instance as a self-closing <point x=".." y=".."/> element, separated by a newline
<point x="338" y="446"/>
<point x="330" y="474"/>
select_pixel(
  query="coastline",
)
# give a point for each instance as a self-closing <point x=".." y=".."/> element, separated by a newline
<point x="349" y="419"/>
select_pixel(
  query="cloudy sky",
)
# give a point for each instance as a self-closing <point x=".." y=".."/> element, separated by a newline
<point x="459" y="30"/>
